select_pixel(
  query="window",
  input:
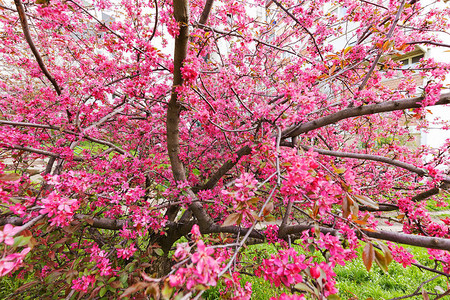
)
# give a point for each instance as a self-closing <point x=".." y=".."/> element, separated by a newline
<point x="410" y="62"/>
<point x="339" y="12"/>
<point x="230" y="19"/>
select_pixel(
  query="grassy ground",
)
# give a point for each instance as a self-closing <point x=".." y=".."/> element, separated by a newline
<point x="354" y="282"/>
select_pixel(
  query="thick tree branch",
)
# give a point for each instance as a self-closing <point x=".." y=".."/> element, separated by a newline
<point x="363" y="110"/>
<point x="382" y="207"/>
<point x="112" y="224"/>
<point x="205" y="12"/>
<point x="42" y="152"/>
<point x="181" y="14"/>
<point x="227" y="166"/>
<point x="401" y="238"/>
<point x="388" y="36"/>
<point x="102" y="223"/>
<point x="419" y="171"/>
<point x="426" y="194"/>
<point x="34" y="125"/>
<point x="26" y="32"/>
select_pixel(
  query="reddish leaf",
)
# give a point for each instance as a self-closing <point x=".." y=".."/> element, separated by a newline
<point x="368" y="256"/>
<point x="134" y="289"/>
<point x="9" y="177"/>
<point x="387" y="253"/>
<point x="232" y="219"/>
<point x="425" y="295"/>
<point x="268" y="209"/>
<point x="346" y="206"/>
<point x="366" y="201"/>
<point x="381" y="261"/>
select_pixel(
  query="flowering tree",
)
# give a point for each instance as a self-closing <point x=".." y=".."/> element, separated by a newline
<point x="160" y="166"/>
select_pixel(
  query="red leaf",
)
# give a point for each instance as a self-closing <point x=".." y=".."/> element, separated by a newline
<point x="268" y="209"/>
<point x="232" y="219"/>
<point x="134" y="288"/>
<point x="9" y="177"/>
<point x="381" y="261"/>
<point x="368" y="255"/>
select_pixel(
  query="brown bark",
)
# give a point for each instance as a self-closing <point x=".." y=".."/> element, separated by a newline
<point x="370" y="109"/>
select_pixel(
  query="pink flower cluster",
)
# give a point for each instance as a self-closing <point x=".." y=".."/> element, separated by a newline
<point x="103" y="263"/>
<point x="126" y="253"/>
<point x="59" y="209"/>
<point x="237" y="291"/>
<point x="12" y="261"/>
<point x="271" y="234"/>
<point x="245" y="188"/>
<point x="401" y="255"/>
<point x="202" y="270"/>
<point x="7" y="234"/>
<point x="283" y="268"/>
<point x="190" y="69"/>
<point x="288" y="297"/>
<point x="443" y="257"/>
<point x="82" y="284"/>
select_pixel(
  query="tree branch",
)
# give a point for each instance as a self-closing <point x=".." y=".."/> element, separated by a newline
<point x="301" y="25"/>
<point x="429" y="43"/>
<point x="363" y="110"/>
<point x="181" y="14"/>
<point x="26" y="32"/>
<point x="33" y="125"/>
<point x="42" y="152"/>
<point x="407" y="239"/>
<point x="388" y="36"/>
<point x="419" y="171"/>
<point x="227" y="166"/>
<point x="205" y="12"/>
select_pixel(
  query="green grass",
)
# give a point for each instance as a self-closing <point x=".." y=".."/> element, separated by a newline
<point x="353" y="280"/>
<point x="431" y="205"/>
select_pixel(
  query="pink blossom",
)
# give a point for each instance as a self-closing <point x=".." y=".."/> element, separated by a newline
<point x="59" y="209"/>
<point x="12" y="261"/>
<point x="82" y="284"/>
<point x="288" y="297"/>
<point x="401" y="255"/>
<point x="284" y="268"/>
<point x="7" y="234"/>
<point x="190" y="69"/>
<point x="126" y="253"/>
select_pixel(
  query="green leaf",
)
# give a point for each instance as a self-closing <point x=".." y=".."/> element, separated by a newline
<point x="166" y="291"/>
<point x="123" y="278"/>
<point x="112" y="279"/>
<point x="20" y="241"/>
<point x="304" y="287"/>
<point x="159" y="251"/>
<point x="102" y="292"/>
<point x="269" y="218"/>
